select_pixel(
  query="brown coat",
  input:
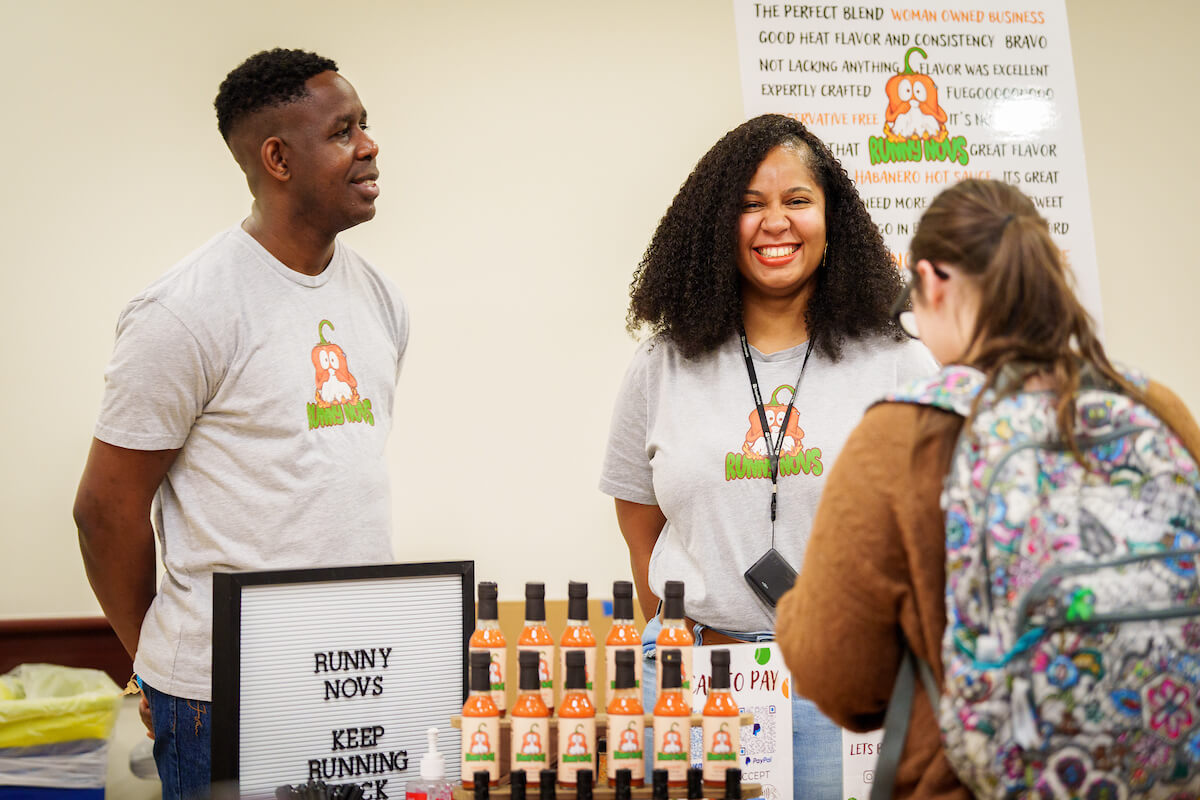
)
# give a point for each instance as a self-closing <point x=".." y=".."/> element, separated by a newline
<point x="874" y="569"/>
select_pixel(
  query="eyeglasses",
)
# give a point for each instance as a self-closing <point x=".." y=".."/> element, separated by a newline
<point x="901" y="312"/>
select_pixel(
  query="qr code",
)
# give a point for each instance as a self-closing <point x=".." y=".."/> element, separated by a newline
<point x="759" y="738"/>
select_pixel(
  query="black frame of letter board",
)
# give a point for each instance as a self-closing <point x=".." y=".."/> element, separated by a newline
<point x="227" y="638"/>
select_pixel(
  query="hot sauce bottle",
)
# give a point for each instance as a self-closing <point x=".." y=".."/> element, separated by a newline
<point x="480" y="726"/>
<point x="626" y="725"/>
<point x="530" y="721"/>
<point x="733" y="784"/>
<point x="488" y="638"/>
<point x="536" y="638"/>
<point x="722" y="724"/>
<point x="578" y="636"/>
<point x="675" y="634"/>
<point x="576" y="724"/>
<point x="623" y="635"/>
<point x="672" y="721"/>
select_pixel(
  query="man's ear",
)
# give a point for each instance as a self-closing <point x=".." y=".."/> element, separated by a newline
<point x="933" y="286"/>
<point x="273" y="155"/>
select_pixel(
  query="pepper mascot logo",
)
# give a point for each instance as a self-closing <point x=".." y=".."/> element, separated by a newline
<point x="754" y="460"/>
<point x="914" y="124"/>
<point x="336" y="395"/>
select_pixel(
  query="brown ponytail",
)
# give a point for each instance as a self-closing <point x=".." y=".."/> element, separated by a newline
<point x="1030" y="321"/>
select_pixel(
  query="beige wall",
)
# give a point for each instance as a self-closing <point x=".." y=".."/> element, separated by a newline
<point x="528" y="149"/>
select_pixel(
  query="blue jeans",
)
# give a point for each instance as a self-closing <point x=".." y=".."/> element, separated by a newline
<point x="816" y="741"/>
<point x="182" y="744"/>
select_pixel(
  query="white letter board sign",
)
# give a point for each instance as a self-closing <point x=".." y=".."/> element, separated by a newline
<point x="335" y="674"/>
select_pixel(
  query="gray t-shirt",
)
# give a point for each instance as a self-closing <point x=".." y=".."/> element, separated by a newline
<point x="685" y="436"/>
<point x="278" y="387"/>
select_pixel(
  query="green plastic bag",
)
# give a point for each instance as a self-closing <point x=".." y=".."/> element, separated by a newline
<point x="45" y="704"/>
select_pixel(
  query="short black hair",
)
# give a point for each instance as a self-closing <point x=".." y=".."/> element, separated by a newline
<point x="270" y="78"/>
<point x="687" y="286"/>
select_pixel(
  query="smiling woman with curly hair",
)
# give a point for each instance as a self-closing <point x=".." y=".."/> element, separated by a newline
<point x="767" y="291"/>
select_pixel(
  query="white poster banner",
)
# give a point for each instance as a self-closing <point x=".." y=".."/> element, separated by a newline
<point x="861" y="751"/>
<point x="761" y="685"/>
<point x="914" y="96"/>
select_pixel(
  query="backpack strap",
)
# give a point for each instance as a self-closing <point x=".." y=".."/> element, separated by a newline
<point x="895" y="722"/>
<point x="952" y="389"/>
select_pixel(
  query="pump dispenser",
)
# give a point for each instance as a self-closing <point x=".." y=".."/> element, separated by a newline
<point x="432" y="785"/>
<point x="488" y="638"/>
<point x="675" y="633"/>
<point x="536" y="637"/>
<point x="578" y="636"/>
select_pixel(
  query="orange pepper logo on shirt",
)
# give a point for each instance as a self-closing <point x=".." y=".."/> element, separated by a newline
<point x="335" y="383"/>
<point x="756" y="444"/>
<point x="913" y="110"/>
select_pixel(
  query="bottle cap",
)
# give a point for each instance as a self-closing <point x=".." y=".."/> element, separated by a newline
<point x="487" y="600"/>
<point x="622" y="600"/>
<point x="528" y="665"/>
<point x="481" y="784"/>
<point x="695" y="783"/>
<point x="671" y="662"/>
<point x="535" y="602"/>
<point x="720" y="669"/>
<point x="433" y="763"/>
<point x="546" y="786"/>
<point x="517" y="784"/>
<point x="733" y="783"/>
<point x="583" y="784"/>
<point x="576" y="670"/>
<point x="624" y="678"/>
<point x="659" y="785"/>
<point x="624" y="779"/>
<point x="481" y="664"/>
<point x="673" y="600"/>
<point x="577" y="600"/>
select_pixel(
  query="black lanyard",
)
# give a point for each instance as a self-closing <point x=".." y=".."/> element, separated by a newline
<point x="773" y="448"/>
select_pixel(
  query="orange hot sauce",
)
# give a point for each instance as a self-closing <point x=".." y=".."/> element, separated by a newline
<point x="576" y="725"/>
<point x="623" y="635"/>
<point x="488" y="638"/>
<point x="626" y="725"/>
<point x="672" y="721"/>
<point x="530" y="723"/>
<point x="578" y="636"/>
<point x="722" y="725"/>
<point x="675" y="633"/>
<point x="480" y="726"/>
<point x="536" y="637"/>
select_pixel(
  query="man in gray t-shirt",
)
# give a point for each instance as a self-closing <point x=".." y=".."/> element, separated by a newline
<point x="248" y="400"/>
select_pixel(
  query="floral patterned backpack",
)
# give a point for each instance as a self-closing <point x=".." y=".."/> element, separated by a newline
<point x="1072" y="643"/>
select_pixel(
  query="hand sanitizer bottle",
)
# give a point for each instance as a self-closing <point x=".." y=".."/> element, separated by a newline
<point x="432" y="785"/>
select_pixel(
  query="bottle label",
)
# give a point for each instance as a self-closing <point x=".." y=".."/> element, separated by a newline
<point x="589" y="668"/>
<point x="722" y="741"/>
<point x="685" y="668"/>
<point x="495" y="673"/>
<point x="576" y="747"/>
<point x="530" y="741"/>
<point x="610" y="662"/>
<point x="672" y="740"/>
<point x="626" y="734"/>
<point x="480" y="742"/>
<point x="545" y="670"/>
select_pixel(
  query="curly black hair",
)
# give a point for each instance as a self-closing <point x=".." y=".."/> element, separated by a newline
<point x="270" y="78"/>
<point x="687" y="286"/>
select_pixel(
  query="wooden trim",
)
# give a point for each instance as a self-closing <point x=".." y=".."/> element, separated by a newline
<point x="71" y="642"/>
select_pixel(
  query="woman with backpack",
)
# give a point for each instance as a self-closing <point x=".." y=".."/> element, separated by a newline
<point x="1065" y="645"/>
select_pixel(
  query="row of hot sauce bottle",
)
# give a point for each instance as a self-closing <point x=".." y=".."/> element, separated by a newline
<point x="576" y="711"/>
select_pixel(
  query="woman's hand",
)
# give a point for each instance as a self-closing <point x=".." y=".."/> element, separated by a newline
<point x="641" y="525"/>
